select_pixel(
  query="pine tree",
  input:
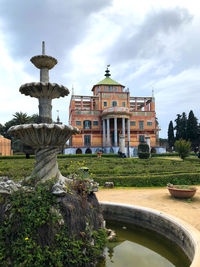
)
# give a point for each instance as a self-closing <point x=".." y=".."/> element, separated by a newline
<point x="192" y="129"/>
<point x="171" y="138"/>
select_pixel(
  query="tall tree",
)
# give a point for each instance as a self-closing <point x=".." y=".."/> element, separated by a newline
<point x="192" y="129"/>
<point x="21" y="118"/>
<point x="1" y="129"/>
<point x="18" y="118"/>
<point x="178" y="127"/>
<point x="171" y="138"/>
<point x="34" y="118"/>
<point x="183" y="126"/>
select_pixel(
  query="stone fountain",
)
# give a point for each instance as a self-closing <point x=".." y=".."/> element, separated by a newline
<point x="73" y="213"/>
<point x="46" y="138"/>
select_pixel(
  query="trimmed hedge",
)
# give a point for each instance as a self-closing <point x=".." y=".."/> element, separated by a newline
<point x="124" y="172"/>
<point x="164" y="155"/>
<point x="109" y="155"/>
<point x="175" y="154"/>
<point x="143" y="155"/>
<point x="16" y="157"/>
<point x="159" y="180"/>
<point x="60" y="156"/>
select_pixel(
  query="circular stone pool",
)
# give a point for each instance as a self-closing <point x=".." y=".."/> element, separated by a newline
<point x="139" y="247"/>
<point x="180" y="235"/>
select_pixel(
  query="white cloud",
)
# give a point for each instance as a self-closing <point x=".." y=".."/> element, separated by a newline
<point x="148" y="44"/>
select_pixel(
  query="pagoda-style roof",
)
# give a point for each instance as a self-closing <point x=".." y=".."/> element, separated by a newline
<point x="107" y="80"/>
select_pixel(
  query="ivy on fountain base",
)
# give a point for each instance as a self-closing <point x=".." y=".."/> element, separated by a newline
<point x="40" y="229"/>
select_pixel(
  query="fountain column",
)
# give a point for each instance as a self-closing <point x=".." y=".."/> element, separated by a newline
<point x="45" y="107"/>
<point x="44" y="71"/>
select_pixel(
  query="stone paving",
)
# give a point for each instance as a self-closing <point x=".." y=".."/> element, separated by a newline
<point x="156" y="198"/>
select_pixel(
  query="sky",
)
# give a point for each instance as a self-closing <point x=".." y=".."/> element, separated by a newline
<point x="150" y="44"/>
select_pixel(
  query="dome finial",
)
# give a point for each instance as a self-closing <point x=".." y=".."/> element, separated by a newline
<point x="107" y="72"/>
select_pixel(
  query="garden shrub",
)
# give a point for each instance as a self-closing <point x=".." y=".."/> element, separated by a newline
<point x="24" y="239"/>
<point x="183" y="148"/>
<point x="143" y="151"/>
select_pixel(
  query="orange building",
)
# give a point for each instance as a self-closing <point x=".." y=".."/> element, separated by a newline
<point x="110" y="113"/>
<point x="5" y="146"/>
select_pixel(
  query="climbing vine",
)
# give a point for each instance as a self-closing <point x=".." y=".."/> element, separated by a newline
<point x="31" y="233"/>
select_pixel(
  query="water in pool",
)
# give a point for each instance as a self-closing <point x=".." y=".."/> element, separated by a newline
<point x="138" y="247"/>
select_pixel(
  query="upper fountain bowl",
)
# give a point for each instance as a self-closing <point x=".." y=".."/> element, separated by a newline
<point x="41" y="89"/>
<point x="43" y="61"/>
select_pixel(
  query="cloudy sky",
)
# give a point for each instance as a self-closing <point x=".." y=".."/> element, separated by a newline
<point x="150" y="44"/>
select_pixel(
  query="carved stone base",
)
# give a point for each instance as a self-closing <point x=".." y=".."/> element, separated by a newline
<point x="46" y="165"/>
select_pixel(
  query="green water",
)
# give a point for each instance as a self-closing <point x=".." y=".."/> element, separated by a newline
<point x="138" y="247"/>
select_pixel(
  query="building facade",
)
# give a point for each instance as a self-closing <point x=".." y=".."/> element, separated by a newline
<point x="5" y="146"/>
<point x="109" y="114"/>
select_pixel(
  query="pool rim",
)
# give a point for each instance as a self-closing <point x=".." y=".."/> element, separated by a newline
<point x="127" y="213"/>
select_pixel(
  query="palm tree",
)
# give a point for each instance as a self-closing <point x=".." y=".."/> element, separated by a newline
<point x="20" y="118"/>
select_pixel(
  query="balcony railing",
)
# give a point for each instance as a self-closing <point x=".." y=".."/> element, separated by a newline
<point x="115" y="109"/>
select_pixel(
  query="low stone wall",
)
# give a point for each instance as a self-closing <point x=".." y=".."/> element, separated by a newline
<point x="133" y="150"/>
<point x="184" y="235"/>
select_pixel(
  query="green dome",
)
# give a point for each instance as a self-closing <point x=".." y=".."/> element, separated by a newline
<point x="108" y="81"/>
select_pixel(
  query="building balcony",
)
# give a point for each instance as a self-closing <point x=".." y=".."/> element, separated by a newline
<point x="116" y="112"/>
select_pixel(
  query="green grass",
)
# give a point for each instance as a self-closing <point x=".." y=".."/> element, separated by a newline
<point x="123" y="172"/>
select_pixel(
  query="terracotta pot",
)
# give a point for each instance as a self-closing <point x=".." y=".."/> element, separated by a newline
<point x="182" y="193"/>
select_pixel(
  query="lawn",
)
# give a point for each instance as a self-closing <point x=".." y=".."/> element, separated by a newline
<point x="123" y="172"/>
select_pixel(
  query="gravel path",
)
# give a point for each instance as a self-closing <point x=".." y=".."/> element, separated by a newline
<point x="156" y="198"/>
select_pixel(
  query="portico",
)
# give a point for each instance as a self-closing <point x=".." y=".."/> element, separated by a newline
<point x="116" y="120"/>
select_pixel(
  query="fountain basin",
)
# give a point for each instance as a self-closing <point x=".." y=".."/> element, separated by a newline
<point x="43" y="134"/>
<point x="44" y="89"/>
<point x="182" y="234"/>
<point x="44" y="61"/>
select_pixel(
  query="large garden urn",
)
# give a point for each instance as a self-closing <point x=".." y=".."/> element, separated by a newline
<point x="47" y="137"/>
<point x="181" y="191"/>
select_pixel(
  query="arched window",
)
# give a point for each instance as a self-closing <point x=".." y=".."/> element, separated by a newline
<point x="87" y="124"/>
<point x="88" y="151"/>
<point x="114" y="103"/>
<point x="78" y="151"/>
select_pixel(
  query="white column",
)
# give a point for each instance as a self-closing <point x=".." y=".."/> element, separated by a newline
<point x="108" y="132"/>
<point x="128" y="137"/>
<point x="148" y="141"/>
<point x="128" y="130"/>
<point x="104" y="133"/>
<point x="123" y="127"/>
<point x="115" y="131"/>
